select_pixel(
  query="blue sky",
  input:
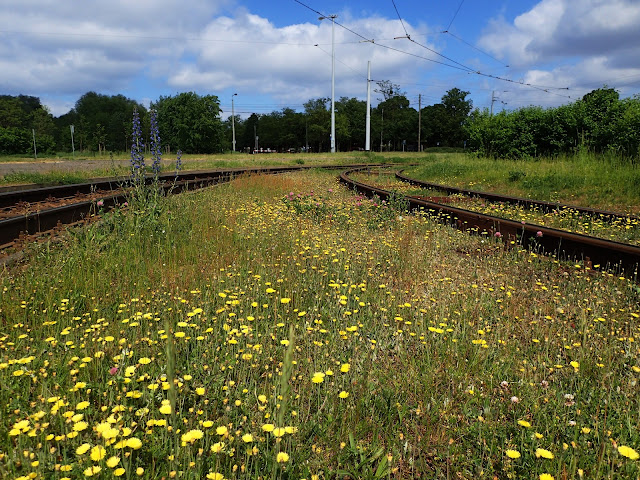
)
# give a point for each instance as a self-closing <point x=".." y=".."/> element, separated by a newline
<point x="278" y="54"/>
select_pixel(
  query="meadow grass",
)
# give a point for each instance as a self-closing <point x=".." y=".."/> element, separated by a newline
<point x="620" y="229"/>
<point x="83" y="168"/>
<point x="584" y="179"/>
<point x="284" y="327"/>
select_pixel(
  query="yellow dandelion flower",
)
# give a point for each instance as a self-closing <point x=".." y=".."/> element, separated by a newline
<point x="134" y="442"/>
<point x="285" y="300"/>
<point x="144" y="361"/>
<point x="217" y="447"/>
<point x="512" y="453"/>
<point x="80" y="426"/>
<point x="222" y="430"/>
<point x="345" y="367"/>
<point x="215" y="476"/>
<point x="118" y="472"/>
<point x="91" y="471"/>
<point x="207" y="424"/>
<point x="82" y="449"/>
<point x="98" y="453"/>
<point x="524" y="423"/>
<point x="541" y="452"/>
<point x="165" y="409"/>
<point x="113" y="461"/>
<point x="200" y="391"/>
<point x="247" y="438"/>
<point x="278" y="432"/>
<point x="343" y="394"/>
<point x="139" y="471"/>
<point x="628" y="452"/>
<point x="546" y="476"/>
<point x="282" y="457"/>
<point x="262" y="398"/>
<point x="268" y="427"/>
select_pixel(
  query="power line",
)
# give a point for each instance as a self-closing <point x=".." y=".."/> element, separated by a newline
<point x="455" y="14"/>
<point x="400" y="18"/>
<point x="474" y="47"/>
<point x="458" y="65"/>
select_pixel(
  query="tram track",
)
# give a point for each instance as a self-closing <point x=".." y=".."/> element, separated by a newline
<point x="564" y="245"/>
<point x="31" y="212"/>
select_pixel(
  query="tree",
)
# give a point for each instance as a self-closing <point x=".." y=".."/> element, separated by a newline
<point x="318" y="119"/>
<point x="190" y="122"/>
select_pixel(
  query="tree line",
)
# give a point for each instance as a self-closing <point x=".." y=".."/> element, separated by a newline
<point x="194" y="124"/>
<point x="600" y="121"/>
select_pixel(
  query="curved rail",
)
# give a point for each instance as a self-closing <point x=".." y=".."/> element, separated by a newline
<point x="14" y="227"/>
<point x="524" y="202"/>
<point x="562" y="244"/>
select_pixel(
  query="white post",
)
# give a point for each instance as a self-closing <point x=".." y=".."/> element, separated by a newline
<point x="35" y="152"/>
<point x="233" y="124"/>
<point x="367" y="143"/>
<point x="333" y="86"/>
<point x="73" y="146"/>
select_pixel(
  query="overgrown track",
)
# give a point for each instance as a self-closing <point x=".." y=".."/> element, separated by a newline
<point x="524" y="202"/>
<point x="561" y="244"/>
<point x="45" y="218"/>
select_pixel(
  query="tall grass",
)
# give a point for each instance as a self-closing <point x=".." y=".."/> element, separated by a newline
<point x="281" y="327"/>
<point x="584" y="179"/>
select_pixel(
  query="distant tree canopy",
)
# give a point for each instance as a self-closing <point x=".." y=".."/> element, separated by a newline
<point x="190" y="122"/>
<point x="600" y="122"/>
<point x="20" y="117"/>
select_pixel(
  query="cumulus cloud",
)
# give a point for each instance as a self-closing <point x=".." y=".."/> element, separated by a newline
<point x="581" y="44"/>
<point x="292" y="62"/>
<point x="50" y="48"/>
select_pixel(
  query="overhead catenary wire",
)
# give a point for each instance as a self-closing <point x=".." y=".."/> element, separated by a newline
<point x="458" y="65"/>
<point x="400" y="18"/>
<point x="455" y="14"/>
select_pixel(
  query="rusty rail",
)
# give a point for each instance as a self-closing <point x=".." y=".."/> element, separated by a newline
<point x="563" y="245"/>
<point x="524" y="202"/>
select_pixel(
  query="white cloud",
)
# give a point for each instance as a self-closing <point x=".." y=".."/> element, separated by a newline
<point x="50" y="48"/>
<point x="581" y="44"/>
<point x="286" y="63"/>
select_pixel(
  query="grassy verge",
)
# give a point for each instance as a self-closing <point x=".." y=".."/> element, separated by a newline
<point x="281" y="327"/>
<point x="586" y="180"/>
<point x="619" y="229"/>
<point x="65" y="170"/>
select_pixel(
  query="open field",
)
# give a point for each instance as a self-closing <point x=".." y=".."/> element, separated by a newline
<point x="282" y="327"/>
<point x="586" y="180"/>
<point x="64" y="169"/>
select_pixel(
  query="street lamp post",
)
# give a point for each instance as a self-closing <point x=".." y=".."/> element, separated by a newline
<point x="233" y="123"/>
<point x="333" y="81"/>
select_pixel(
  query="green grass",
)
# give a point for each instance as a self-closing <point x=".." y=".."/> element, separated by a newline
<point x="78" y="170"/>
<point x="282" y="327"/>
<point x="586" y="180"/>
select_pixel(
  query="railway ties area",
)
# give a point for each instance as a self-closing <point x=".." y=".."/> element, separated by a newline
<point x="26" y="214"/>
<point x="564" y="245"/>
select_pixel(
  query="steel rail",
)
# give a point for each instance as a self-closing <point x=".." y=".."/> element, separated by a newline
<point x="9" y="198"/>
<point x="525" y="202"/>
<point x="563" y="245"/>
<point x="13" y="228"/>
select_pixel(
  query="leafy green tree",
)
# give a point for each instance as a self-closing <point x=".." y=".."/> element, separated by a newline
<point x="318" y="118"/>
<point x="190" y="122"/>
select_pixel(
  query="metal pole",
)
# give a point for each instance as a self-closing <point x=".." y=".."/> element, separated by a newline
<point x="35" y="152"/>
<point x="233" y="124"/>
<point x="381" y="130"/>
<point x="73" y="147"/>
<point x="333" y="86"/>
<point x="367" y="143"/>
<point x="333" y="80"/>
<point x="419" y="120"/>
